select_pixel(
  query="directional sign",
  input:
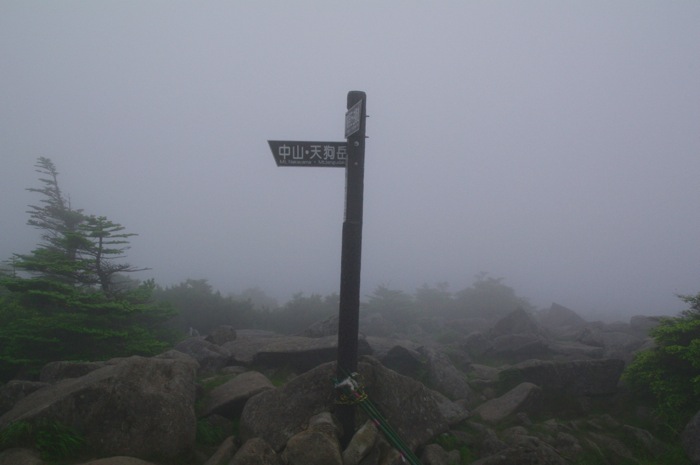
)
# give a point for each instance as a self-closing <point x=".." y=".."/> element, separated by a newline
<point x="352" y="119"/>
<point x="304" y="153"/>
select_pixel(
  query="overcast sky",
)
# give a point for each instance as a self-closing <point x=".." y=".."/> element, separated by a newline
<point x="554" y="144"/>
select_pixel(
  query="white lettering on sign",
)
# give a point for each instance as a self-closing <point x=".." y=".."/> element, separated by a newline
<point x="305" y="153"/>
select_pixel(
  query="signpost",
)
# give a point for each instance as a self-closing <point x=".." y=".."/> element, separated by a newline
<point x="351" y="155"/>
<point x="303" y="153"/>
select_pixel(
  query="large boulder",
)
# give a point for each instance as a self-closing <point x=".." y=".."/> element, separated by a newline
<point x="517" y="337"/>
<point x="575" y="378"/>
<point x="138" y="407"/>
<point x="516" y="322"/>
<point x="691" y="439"/>
<point x="521" y="398"/>
<point x="228" y="399"/>
<point x="15" y="390"/>
<point x="211" y="357"/>
<point x="557" y="316"/>
<point x="443" y="376"/>
<point x="317" y="445"/>
<point x="248" y="343"/>
<point x="56" y="371"/>
<point x="221" y="335"/>
<point x="256" y="451"/>
<point x="302" y="353"/>
<point x="416" y="412"/>
<point x="19" y="456"/>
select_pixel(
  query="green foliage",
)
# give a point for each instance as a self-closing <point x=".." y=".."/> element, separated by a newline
<point x="53" y="440"/>
<point x="199" y="307"/>
<point x="488" y="298"/>
<point x="209" y="434"/>
<point x="669" y="374"/>
<point x="449" y="442"/>
<point x="65" y="300"/>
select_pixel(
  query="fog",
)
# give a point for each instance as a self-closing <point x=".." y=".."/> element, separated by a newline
<point x="554" y="144"/>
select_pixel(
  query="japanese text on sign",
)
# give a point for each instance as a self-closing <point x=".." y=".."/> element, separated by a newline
<point x="295" y="153"/>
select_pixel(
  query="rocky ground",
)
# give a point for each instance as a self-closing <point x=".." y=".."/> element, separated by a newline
<point x="538" y="388"/>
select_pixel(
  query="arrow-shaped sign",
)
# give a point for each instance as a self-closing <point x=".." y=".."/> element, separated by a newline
<point x="305" y="153"/>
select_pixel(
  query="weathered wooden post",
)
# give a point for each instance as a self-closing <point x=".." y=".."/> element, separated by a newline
<point x="351" y="256"/>
<point x="351" y="155"/>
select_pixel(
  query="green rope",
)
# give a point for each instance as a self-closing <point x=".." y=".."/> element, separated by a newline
<point x="351" y="391"/>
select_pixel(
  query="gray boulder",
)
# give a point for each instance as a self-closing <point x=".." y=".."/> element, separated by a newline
<point x="361" y="444"/>
<point x="557" y="316"/>
<point x="118" y="461"/>
<point x="477" y="344"/>
<point x="138" y="407"/>
<point x="406" y="361"/>
<point x="256" y="451"/>
<point x="575" y="378"/>
<point x="516" y="322"/>
<point x="434" y="454"/>
<point x="248" y="343"/>
<point x="18" y="456"/>
<point x="443" y="376"/>
<point x="317" y="445"/>
<point x="211" y="357"/>
<point x="224" y="453"/>
<point x="519" y="399"/>
<point x="302" y="353"/>
<point x="323" y="328"/>
<point x="221" y="335"/>
<point x="15" y="390"/>
<point x="515" y="348"/>
<point x="279" y="414"/>
<point x="56" y="371"/>
<point x="229" y="398"/>
<point x="691" y="439"/>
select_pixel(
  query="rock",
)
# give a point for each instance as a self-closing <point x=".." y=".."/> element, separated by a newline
<point x="406" y="361"/>
<point x="443" y="376"/>
<point x="302" y="353"/>
<point x="525" y="450"/>
<point x="645" y="440"/>
<point x="517" y="322"/>
<point x="317" y="445"/>
<point x="573" y="350"/>
<point x="256" y="451"/>
<point x="558" y="316"/>
<point x="15" y="390"/>
<point x="56" y="371"/>
<point x="477" y="344"/>
<point x="221" y="335"/>
<point x="643" y="324"/>
<point x="576" y="378"/>
<point x="229" y="398"/>
<point x="120" y="460"/>
<point x="138" y="407"/>
<point x="519" y="347"/>
<point x="690" y="439"/>
<point x="211" y="357"/>
<point x="520" y="398"/>
<point x="18" y="456"/>
<point x="224" y="453"/>
<point x="323" y="328"/>
<point x="413" y="410"/>
<point x="361" y="444"/>
<point x="248" y="343"/>
<point x="434" y="454"/>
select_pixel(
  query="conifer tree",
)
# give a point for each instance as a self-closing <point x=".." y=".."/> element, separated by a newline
<point x="61" y="301"/>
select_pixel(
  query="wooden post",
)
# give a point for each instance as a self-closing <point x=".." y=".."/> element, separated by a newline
<point x="351" y="254"/>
